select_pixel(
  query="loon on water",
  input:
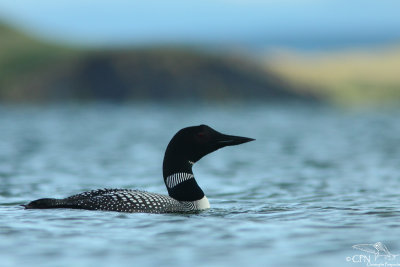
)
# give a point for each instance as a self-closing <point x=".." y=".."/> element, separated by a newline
<point x="188" y="146"/>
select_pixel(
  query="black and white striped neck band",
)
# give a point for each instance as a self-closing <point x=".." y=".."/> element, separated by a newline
<point x="177" y="178"/>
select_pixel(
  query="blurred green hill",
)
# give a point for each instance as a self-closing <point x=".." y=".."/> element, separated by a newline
<point x="35" y="71"/>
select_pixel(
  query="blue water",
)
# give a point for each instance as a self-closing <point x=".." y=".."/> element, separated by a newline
<point x="317" y="181"/>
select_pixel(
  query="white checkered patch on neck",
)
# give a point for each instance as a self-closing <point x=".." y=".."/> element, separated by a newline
<point x="177" y="178"/>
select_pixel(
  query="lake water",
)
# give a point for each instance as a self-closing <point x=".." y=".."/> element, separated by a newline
<point x="317" y="181"/>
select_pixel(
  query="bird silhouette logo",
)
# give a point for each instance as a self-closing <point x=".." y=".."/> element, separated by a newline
<point x="378" y="249"/>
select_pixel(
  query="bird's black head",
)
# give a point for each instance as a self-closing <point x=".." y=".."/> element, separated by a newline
<point x="192" y="143"/>
<point x="186" y="147"/>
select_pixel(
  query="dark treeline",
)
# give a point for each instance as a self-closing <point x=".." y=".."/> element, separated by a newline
<point x="31" y="71"/>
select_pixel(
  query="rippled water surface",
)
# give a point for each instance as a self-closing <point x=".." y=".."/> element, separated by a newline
<point x="315" y="182"/>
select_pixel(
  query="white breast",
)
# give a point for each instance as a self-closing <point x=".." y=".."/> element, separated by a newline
<point x="202" y="204"/>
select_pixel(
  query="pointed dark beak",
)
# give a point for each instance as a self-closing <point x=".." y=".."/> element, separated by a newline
<point x="231" y="140"/>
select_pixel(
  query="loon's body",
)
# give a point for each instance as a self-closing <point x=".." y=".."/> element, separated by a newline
<point x="187" y="147"/>
<point x="122" y="200"/>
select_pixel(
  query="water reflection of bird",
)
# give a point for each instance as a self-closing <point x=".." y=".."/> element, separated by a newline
<point x="378" y="249"/>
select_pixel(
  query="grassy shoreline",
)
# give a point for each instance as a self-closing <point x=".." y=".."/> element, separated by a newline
<point x="354" y="77"/>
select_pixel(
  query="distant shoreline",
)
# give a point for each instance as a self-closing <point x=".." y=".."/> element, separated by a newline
<point x="34" y="72"/>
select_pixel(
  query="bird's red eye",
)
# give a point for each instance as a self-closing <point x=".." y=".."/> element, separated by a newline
<point x="201" y="137"/>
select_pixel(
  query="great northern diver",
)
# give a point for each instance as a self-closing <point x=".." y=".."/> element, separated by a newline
<point x="187" y="147"/>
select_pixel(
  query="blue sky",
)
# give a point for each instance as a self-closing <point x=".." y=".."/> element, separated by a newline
<point x="237" y="22"/>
